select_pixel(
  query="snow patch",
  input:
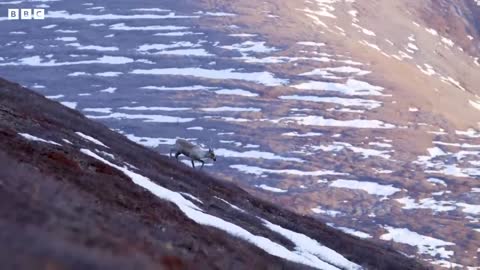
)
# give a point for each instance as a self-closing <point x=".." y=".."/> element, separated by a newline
<point x="265" y="78"/>
<point x="271" y="189"/>
<point x="37" y="139"/>
<point x="351" y="87"/>
<point x="260" y="171"/>
<point x="369" y="187"/>
<point x="313" y="120"/>
<point x="91" y="139"/>
<point x="69" y="104"/>
<point x="153" y="118"/>
<point x="425" y="244"/>
<point x="237" y="92"/>
<point x="253" y="154"/>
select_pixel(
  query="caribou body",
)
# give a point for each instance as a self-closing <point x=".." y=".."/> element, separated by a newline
<point x="194" y="152"/>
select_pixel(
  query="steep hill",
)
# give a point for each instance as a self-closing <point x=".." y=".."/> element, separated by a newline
<point x="76" y="195"/>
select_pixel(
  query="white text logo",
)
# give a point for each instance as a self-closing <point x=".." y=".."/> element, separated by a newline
<point x="26" y="14"/>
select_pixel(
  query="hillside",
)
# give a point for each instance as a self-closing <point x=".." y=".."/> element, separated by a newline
<point x="75" y="194"/>
<point x="361" y="114"/>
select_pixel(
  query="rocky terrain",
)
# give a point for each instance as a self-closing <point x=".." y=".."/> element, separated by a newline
<point x="363" y="114"/>
<point x="74" y="201"/>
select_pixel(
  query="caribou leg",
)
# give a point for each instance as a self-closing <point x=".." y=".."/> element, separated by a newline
<point x="193" y="164"/>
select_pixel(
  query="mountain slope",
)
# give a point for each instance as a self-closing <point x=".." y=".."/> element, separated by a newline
<point x="72" y="197"/>
<point x="363" y="114"/>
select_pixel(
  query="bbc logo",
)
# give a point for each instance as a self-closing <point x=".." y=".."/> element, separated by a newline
<point x="26" y="14"/>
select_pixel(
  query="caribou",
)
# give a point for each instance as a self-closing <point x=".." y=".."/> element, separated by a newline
<point x="194" y="152"/>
